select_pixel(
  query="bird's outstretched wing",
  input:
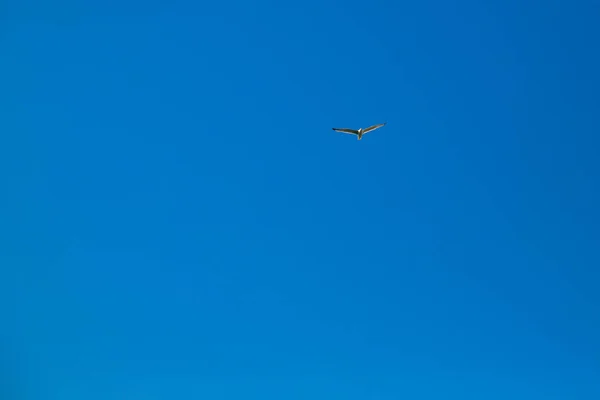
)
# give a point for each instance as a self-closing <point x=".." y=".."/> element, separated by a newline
<point x="373" y="127"/>
<point x="346" y="130"/>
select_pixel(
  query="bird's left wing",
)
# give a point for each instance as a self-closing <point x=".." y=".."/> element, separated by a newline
<point x="373" y="127"/>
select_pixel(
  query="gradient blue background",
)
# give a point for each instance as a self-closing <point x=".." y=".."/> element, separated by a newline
<point x="180" y="221"/>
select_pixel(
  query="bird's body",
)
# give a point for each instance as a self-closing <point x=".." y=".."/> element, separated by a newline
<point x="359" y="132"/>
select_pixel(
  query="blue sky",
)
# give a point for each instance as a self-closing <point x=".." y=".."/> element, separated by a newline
<point x="180" y="221"/>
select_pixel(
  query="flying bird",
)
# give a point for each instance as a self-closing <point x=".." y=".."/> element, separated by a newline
<point x="360" y="131"/>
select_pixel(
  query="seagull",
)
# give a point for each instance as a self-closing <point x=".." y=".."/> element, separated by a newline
<point x="360" y="131"/>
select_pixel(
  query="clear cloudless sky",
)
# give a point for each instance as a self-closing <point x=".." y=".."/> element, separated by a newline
<point x="179" y="221"/>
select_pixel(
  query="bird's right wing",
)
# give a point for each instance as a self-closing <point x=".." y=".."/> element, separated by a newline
<point x="346" y="130"/>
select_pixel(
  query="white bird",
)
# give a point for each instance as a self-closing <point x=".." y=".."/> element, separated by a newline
<point x="360" y="131"/>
